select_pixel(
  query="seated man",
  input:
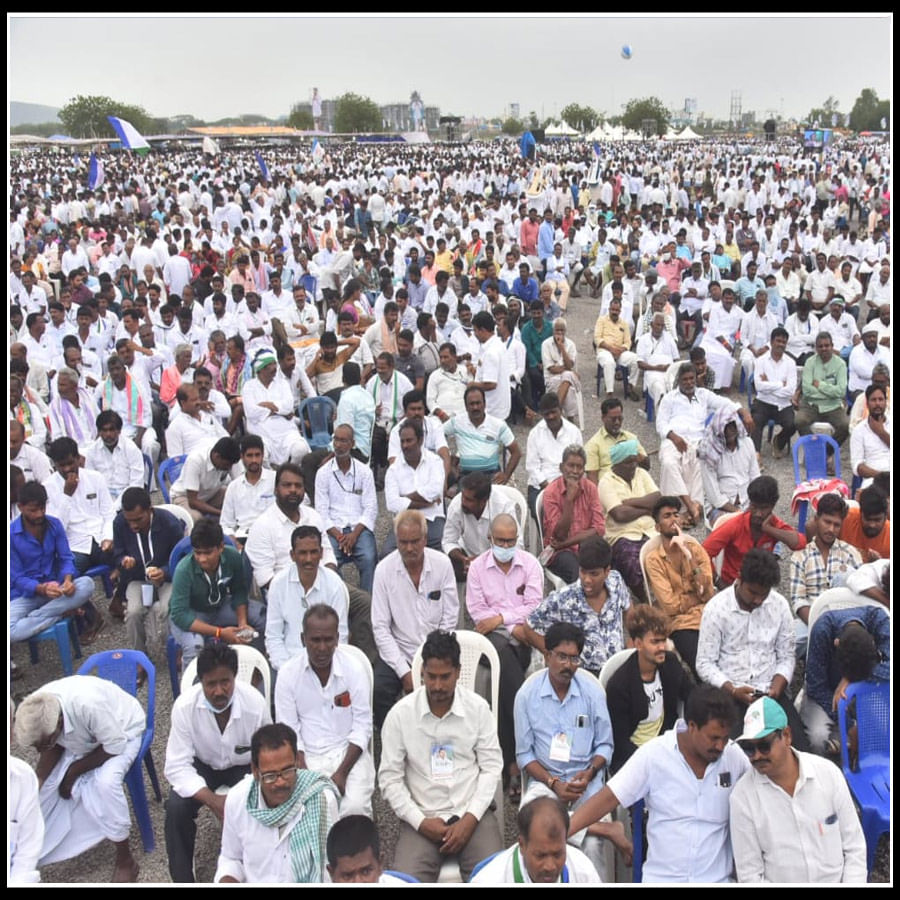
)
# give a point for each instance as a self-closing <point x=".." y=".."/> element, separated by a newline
<point x="295" y="589"/>
<point x="775" y="382"/>
<point x="628" y="494"/>
<point x="191" y="426"/>
<point x="440" y="768"/>
<point x="596" y="603"/>
<point x="356" y="408"/>
<point x="720" y="339"/>
<point x="680" y="423"/>
<point x="563" y="732"/>
<point x="612" y="414"/>
<point x="435" y="442"/>
<point x="354" y="853"/>
<point x="348" y="506"/>
<point x="685" y="778"/>
<point x="845" y="646"/>
<point x="559" y="358"/>
<point x="825" y="562"/>
<point x="200" y="487"/>
<point x="767" y="825"/>
<point x="867" y="527"/>
<point x="644" y="692"/>
<point x="249" y="495"/>
<point x="414" y="592"/>
<point x="505" y="583"/>
<point x="119" y="461"/>
<point x="870" y="442"/>
<point x="728" y="463"/>
<point x="387" y="388"/>
<point x="746" y="644"/>
<point x="680" y="576"/>
<point x="209" y="595"/>
<point x="757" y="526"/>
<point x="447" y="384"/>
<point x="87" y="732"/>
<point x="469" y="516"/>
<point x="656" y="351"/>
<point x="143" y="541"/>
<point x="208" y="748"/>
<point x="323" y="694"/>
<point x="612" y="338"/>
<point x="823" y="391"/>
<point x="546" y="442"/>
<point x="277" y="818"/>
<point x="34" y="463"/>
<point x="43" y="582"/>
<point x="542" y="855"/>
<point x="571" y="514"/>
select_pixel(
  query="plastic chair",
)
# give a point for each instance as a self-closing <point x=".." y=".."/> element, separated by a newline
<point x="646" y="547"/>
<point x="870" y="781"/>
<point x="121" y="668"/>
<point x="320" y="412"/>
<point x="622" y="369"/>
<point x="479" y="866"/>
<point x="721" y="520"/>
<point x="171" y="469"/>
<point x="751" y="393"/>
<point x="839" y="598"/>
<point x="649" y="407"/>
<point x="522" y="517"/>
<point x="814" y="448"/>
<point x="250" y="660"/>
<point x="557" y="583"/>
<point x="181" y="514"/>
<point x="637" y="840"/>
<point x="62" y="632"/>
<point x="311" y="285"/>
<point x="183" y="547"/>
<point x="613" y="664"/>
<point x="148" y="471"/>
<point x="855" y="485"/>
<point x="104" y="573"/>
<point x="402" y="876"/>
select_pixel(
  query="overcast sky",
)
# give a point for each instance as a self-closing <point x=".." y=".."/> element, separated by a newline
<point x="213" y="68"/>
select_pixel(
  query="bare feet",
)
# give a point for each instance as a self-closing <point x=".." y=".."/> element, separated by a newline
<point x="126" y="871"/>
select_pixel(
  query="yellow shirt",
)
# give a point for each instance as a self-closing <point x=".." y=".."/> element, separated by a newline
<point x="444" y="261"/>
<point x="617" y="334"/>
<point x="613" y="491"/>
<point x="597" y="450"/>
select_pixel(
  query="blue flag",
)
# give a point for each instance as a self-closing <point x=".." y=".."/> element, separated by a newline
<point x="96" y="175"/>
<point x="527" y="145"/>
<point x="263" y="168"/>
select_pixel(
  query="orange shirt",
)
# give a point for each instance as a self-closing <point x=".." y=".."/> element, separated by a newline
<point x="852" y="533"/>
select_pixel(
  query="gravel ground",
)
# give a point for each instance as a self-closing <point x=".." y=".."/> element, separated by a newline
<point x="97" y="864"/>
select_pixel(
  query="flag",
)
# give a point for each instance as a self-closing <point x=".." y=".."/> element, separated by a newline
<point x="596" y="150"/>
<point x="210" y="146"/>
<point x="96" y="175"/>
<point x="129" y="135"/>
<point x="318" y="153"/>
<point x="527" y="145"/>
<point x="263" y="168"/>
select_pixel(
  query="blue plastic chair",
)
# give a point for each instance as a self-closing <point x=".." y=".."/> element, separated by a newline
<point x="319" y="411"/>
<point x="172" y="660"/>
<point x="404" y="877"/>
<point x="62" y="632"/>
<point x="121" y="668"/>
<point x="183" y="547"/>
<point x="148" y="471"/>
<point x="476" y="868"/>
<point x="815" y="458"/>
<point x="855" y="485"/>
<point x="648" y="406"/>
<point x="870" y="781"/>
<point x="622" y="369"/>
<point x="104" y="573"/>
<point x="751" y="393"/>
<point x="637" y="839"/>
<point x="171" y="469"/>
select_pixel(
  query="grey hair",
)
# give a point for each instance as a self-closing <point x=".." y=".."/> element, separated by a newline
<point x="37" y="717"/>
<point x="68" y="373"/>
<point x="411" y="516"/>
<point x="574" y="450"/>
<point x="183" y="348"/>
<point x="881" y="369"/>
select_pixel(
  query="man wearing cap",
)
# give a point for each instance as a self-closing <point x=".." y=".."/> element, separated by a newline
<point x="792" y="816"/>
<point x="864" y="357"/>
<point x="841" y="326"/>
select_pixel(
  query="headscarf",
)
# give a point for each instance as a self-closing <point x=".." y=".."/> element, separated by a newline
<point x="264" y="357"/>
<point x="622" y="451"/>
<point x="712" y="444"/>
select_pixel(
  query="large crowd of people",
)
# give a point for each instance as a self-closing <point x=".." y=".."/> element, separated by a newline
<point x="336" y="413"/>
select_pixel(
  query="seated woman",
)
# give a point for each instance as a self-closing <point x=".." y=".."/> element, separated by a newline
<point x="729" y="464"/>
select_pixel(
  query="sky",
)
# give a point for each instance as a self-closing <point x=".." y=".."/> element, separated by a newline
<point x="468" y="66"/>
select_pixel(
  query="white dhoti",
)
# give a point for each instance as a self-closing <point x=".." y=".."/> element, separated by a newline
<point x="608" y="363"/>
<point x="570" y="402"/>
<point x="357" y="799"/>
<point x="747" y="361"/>
<point x="721" y="362"/>
<point x="680" y="474"/>
<point x="655" y="383"/>
<point x="97" y="809"/>
<point x="283" y="441"/>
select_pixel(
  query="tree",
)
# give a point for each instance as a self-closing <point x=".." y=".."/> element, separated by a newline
<point x="85" y="117"/>
<point x="354" y="113"/>
<point x="648" y="109"/>
<point x="512" y="126"/>
<point x="868" y="111"/>
<point x="300" y="118"/>
<point x="581" y="118"/>
<point x="824" y="114"/>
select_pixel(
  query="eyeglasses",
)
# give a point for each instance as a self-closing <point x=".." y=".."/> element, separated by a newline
<point x="572" y="658"/>
<point x="288" y="774"/>
<point x="751" y="748"/>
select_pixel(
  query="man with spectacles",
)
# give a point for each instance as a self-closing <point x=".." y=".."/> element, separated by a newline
<point x="564" y="736"/>
<point x="277" y="818"/>
<point x="792" y="816"/>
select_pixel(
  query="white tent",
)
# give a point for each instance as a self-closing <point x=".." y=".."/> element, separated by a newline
<point x="560" y="130"/>
<point x="688" y="134"/>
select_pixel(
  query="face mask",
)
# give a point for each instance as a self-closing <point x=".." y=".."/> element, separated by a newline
<point x="666" y="257"/>
<point x="503" y="554"/>
<point x="213" y="710"/>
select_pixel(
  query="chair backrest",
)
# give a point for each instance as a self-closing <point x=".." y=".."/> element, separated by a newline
<point x="720" y="557"/>
<point x="539" y="515"/>
<point x="515" y="496"/>
<point x="121" y="668"/>
<point x="249" y="661"/>
<point x="472" y="647"/>
<point x="814" y="448"/>
<point x="183" y="547"/>
<point x="319" y="411"/>
<point x="169" y="469"/>
<point x="148" y="471"/>
<point x="181" y="514"/>
<point x="646" y="547"/>
<point x="613" y="664"/>
<point x="873" y="721"/>
<point x="839" y="598"/>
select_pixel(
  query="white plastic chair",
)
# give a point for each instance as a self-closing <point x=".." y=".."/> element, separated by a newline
<point x="720" y="557"/>
<point x="839" y="598"/>
<point x="646" y="548"/>
<point x="522" y="517"/>
<point x="556" y="582"/>
<point x="613" y="664"/>
<point x="249" y="660"/>
<point x="181" y="514"/>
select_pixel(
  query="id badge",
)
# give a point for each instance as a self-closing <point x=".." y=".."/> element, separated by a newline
<point x="441" y="761"/>
<point x="147" y="594"/>
<point x="560" y="747"/>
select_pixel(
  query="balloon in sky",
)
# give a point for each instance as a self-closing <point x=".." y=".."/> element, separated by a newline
<point x="626" y="51"/>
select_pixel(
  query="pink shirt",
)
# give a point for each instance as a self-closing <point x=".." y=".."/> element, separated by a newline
<point x="514" y="595"/>
<point x="588" y="510"/>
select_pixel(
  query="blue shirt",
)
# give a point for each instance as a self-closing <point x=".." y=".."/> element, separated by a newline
<point x="32" y="563"/>
<point x="546" y="233"/>
<point x="417" y="293"/>
<point x="527" y="290"/>
<point x="581" y="715"/>
<point x="356" y="408"/>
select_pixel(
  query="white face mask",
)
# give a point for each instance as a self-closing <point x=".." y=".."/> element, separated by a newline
<point x="212" y="709"/>
<point x="666" y="257"/>
<point x="503" y="554"/>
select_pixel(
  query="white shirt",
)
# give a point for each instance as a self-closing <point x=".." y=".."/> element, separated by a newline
<point x="403" y="614"/>
<point x="463" y="531"/>
<point x="344" y="500"/>
<point x="88" y="514"/>
<point x="244" y="503"/>
<point x="121" y="468"/>
<point x="775" y="382"/>
<point x="492" y="367"/>
<point x="427" y="480"/>
<point x="195" y="734"/>
<point x="685" y="416"/>
<point x="412" y="737"/>
<point x="34" y="463"/>
<point x="866" y="447"/>
<point x="801" y="335"/>
<point x="287" y="604"/>
<point x="269" y="541"/>
<point x="185" y="433"/>
<point x="433" y="434"/>
<point x="446" y="390"/>
<point x="199" y="474"/>
<point x="26" y="824"/>
<point x="500" y="869"/>
<point x="813" y="836"/>
<point x="326" y="717"/>
<point x="543" y="453"/>
<point x="756" y="330"/>
<point x="862" y="362"/>
<point x="274" y="429"/>
<point x="688" y="827"/>
<point x="842" y="330"/>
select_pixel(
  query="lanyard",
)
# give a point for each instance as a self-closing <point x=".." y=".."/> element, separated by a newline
<point x="218" y="599"/>
<point x="146" y="560"/>
<point x="334" y="472"/>
<point x="519" y="878"/>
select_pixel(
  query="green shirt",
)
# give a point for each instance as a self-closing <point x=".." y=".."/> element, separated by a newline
<point x="193" y="591"/>
<point x="832" y="377"/>
<point x="533" y="339"/>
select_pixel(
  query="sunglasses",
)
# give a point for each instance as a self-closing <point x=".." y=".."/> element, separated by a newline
<point x="751" y="748"/>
